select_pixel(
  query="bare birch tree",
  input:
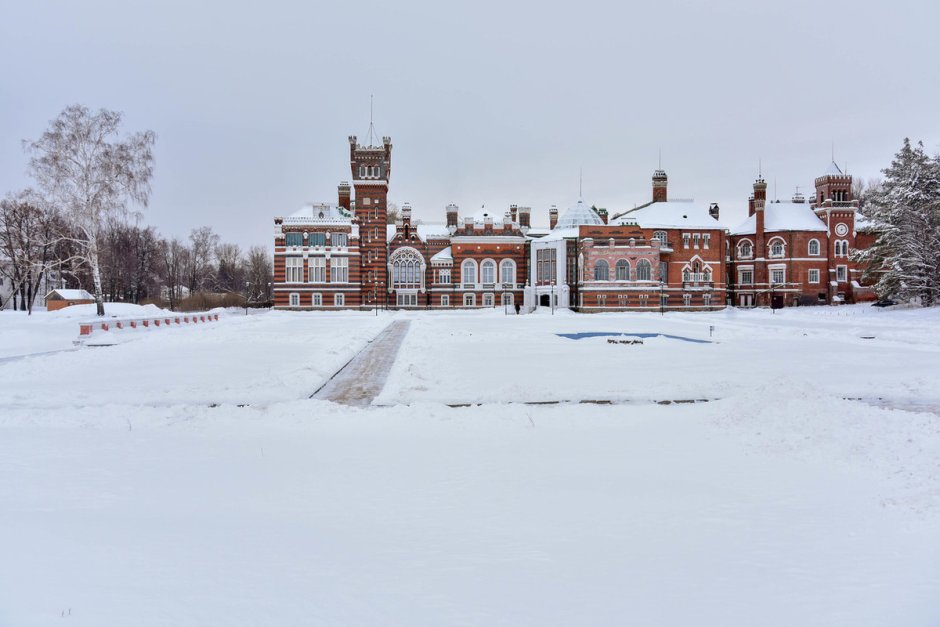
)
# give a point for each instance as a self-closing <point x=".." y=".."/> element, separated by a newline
<point x="83" y="168"/>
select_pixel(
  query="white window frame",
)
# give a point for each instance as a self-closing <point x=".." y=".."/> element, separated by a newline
<point x="294" y="270"/>
<point x="339" y="270"/>
<point x="507" y="299"/>
<point x="706" y="239"/>
<point x="687" y="300"/>
<point x="339" y="300"/>
<point x="741" y="272"/>
<point x="489" y="300"/>
<point x="842" y="273"/>
<point x="783" y="273"/>
<point x="294" y="299"/>
<point x="469" y="300"/>
<point x="813" y="275"/>
<point x="488" y="265"/>
<point x="809" y="248"/>
<point x="507" y="270"/>
<point x="443" y="276"/>
<point x="316" y="299"/>
<point x="464" y="265"/>
<point x="318" y="270"/>
<point x="445" y="300"/>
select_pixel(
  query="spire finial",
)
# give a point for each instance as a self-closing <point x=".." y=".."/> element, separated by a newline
<point x="372" y="134"/>
<point x="760" y="169"/>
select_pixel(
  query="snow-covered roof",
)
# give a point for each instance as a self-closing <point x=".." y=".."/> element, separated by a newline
<point x="432" y="231"/>
<point x="833" y="170"/>
<point x="559" y="234"/>
<point x="483" y="213"/>
<point x="444" y="255"/>
<point x="675" y="214"/>
<point x="71" y="294"/>
<point x="783" y="216"/>
<point x="390" y="232"/>
<point x="577" y="215"/>
<point x="319" y="213"/>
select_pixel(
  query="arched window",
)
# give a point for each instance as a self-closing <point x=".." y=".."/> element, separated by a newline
<point x="744" y="250"/>
<point x="776" y="248"/>
<point x="644" y="271"/>
<point x="601" y="271"/>
<point x="488" y="271"/>
<point x="406" y="269"/>
<point x="661" y="236"/>
<point x="623" y="270"/>
<point x="708" y="273"/>
<point x="686" y="274"/>
<point x="468" y="271"/>
<point x="814" y="247"/>
<point x="507" y="271"/>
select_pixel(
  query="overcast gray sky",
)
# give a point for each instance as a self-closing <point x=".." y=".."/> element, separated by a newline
<point x="486" y="102"/>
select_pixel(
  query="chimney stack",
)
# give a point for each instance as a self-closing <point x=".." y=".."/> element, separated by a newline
<point x="524" y="217"/>
<point x="660" y="182"/>
<point x="452" y="215"/>
<point x="552" y="217"/>
<point x="514" y="213"/>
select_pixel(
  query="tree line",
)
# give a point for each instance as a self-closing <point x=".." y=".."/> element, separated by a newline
<point x="77" y="228"/>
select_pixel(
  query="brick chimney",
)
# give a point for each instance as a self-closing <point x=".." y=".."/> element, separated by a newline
<point x="452" y="215"/>
<point x="524" y="217"/>
<point x="344" y="195"/>
<point x="660" y="182"/>
<point x="514" y="213"/>
<point x="760" y="198"/>
<point x="552" y="217"/>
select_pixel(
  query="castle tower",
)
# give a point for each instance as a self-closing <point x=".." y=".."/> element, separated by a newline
<point x="660" y="182"/>
<point x="371" y="167"/>
<point x="833" y="186"/>
<point x="760" y="242"/>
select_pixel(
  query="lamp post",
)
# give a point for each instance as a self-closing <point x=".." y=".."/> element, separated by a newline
<point x="553" y="296"/>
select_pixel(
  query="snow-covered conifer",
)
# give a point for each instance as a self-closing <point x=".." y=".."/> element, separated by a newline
<point x="905" y="259"/>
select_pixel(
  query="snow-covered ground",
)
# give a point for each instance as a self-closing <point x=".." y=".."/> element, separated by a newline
<point x="135" y="490"/>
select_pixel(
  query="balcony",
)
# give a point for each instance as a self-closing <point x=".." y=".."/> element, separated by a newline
<point x="698" y="285"/>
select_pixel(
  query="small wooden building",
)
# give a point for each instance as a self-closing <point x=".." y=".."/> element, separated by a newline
<point x="57" y="299"/>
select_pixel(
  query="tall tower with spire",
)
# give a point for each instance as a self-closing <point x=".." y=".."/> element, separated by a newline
<point x="371" y="167"/>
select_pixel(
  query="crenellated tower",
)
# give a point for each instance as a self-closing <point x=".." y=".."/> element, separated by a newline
<point x="371" y="167"/>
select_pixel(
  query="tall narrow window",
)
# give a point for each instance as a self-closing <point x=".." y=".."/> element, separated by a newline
<point x="339" y="240"/>
<point x="814" y="247"/>
<point x="623" y="270"/>
<point x="507" y="271"/>
<point x="317" y="270"/>
<point x="644" y="270"/>
<point x="468" y="272"/>
<point x="601" y="271"/>
<point x="339" y="270"/>
<point x="488" y="272"/>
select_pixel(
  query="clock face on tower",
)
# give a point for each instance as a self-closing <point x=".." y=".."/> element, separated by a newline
<point x="841" y="229"/>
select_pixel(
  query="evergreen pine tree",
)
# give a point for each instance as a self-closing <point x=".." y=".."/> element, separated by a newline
<point x="906" y="212"/>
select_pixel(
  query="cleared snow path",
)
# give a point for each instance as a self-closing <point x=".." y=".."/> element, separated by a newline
<point x="362" y="379"/>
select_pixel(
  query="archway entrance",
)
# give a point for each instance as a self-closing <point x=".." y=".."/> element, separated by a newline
<point x="545" y="300"/>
